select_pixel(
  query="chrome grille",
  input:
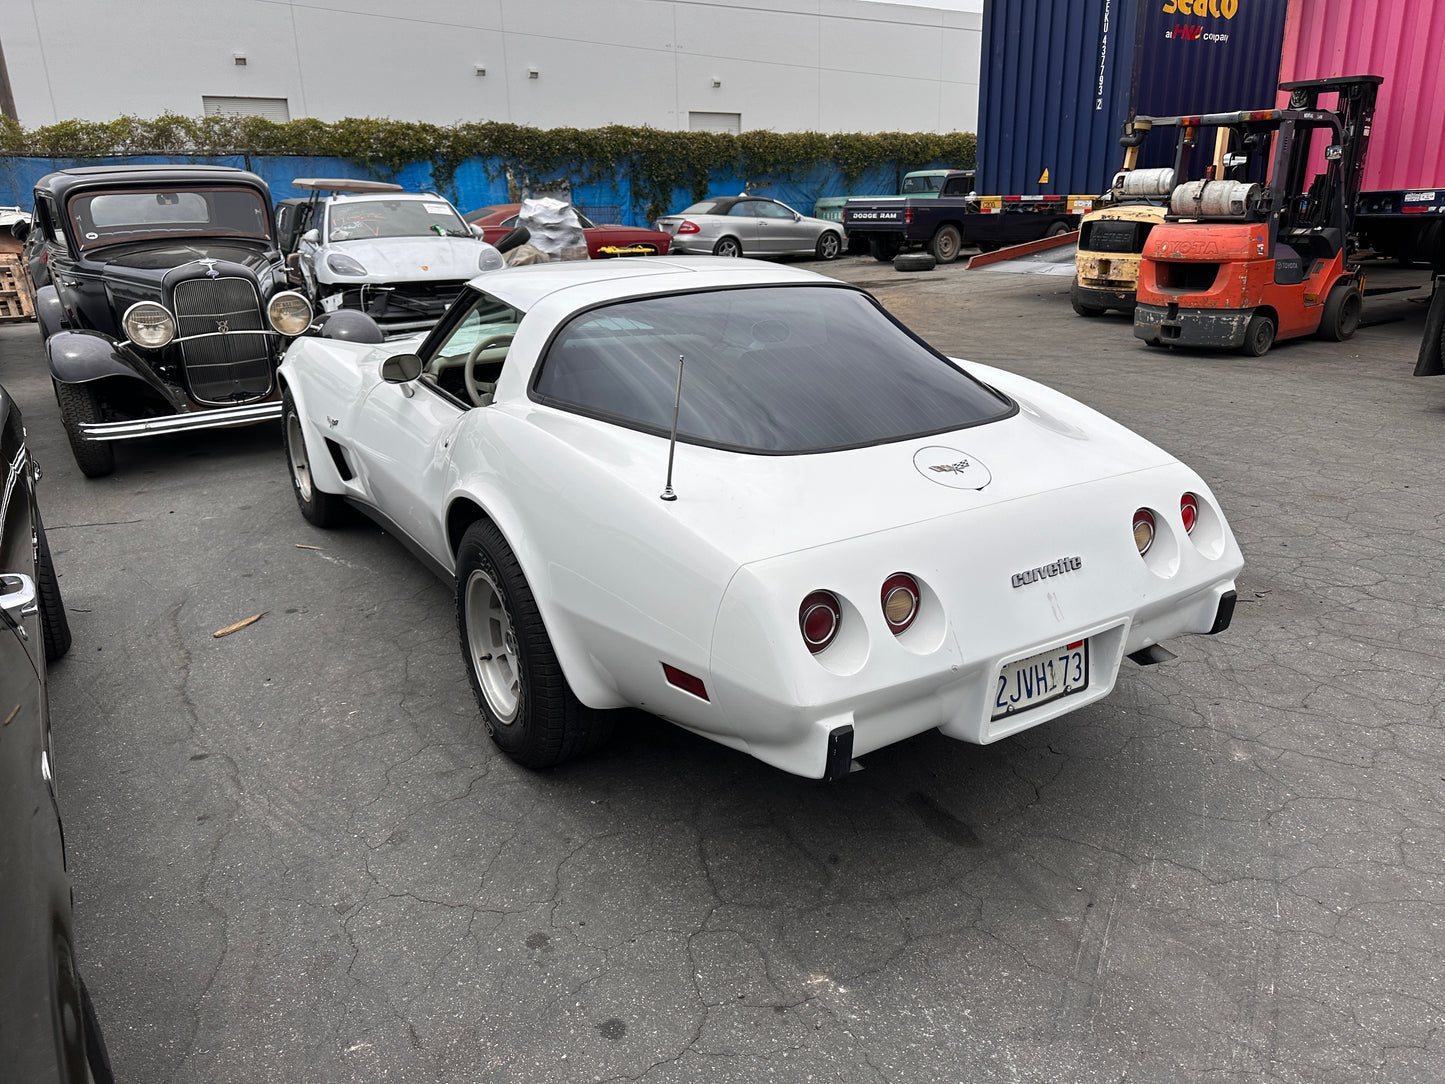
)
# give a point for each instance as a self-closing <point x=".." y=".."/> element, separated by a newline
<point x="222" y="366"/>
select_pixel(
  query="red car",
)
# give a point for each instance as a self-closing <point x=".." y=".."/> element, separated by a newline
<point x="603" y="242"/>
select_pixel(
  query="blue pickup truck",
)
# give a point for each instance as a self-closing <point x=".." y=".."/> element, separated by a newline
<point x="957" y="216"/>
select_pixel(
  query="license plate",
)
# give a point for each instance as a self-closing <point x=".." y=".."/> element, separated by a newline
<point x="1027" y="683"/>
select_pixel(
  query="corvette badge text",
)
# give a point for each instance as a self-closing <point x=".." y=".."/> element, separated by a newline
<point x="1044" y="572"/>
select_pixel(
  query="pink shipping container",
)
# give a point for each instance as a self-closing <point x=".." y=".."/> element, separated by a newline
<point x="1402" y="205"/>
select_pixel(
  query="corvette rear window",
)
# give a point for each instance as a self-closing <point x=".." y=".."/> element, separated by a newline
<point x="767" y="369"/>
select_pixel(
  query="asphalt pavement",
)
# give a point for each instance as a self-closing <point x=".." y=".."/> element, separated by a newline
<point x="297" y="857"/>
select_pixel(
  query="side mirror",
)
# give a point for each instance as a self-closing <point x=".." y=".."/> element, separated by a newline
<point x="20" y="229"/>
<point x="312" y="237"/>
<point x="401" y="368"/>
<point x="797" y="217"/>
<point x="1334" y="152"/>
<point x="477" y="231"/>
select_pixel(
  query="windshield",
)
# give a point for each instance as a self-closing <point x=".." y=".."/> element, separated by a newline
<point x="359" y="219"/>
<point x="913" y="185"/>
<point x="105" y="218"/>
<point x="768" y="369"/>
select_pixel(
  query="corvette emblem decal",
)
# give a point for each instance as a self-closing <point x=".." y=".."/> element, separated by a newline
<point x="1044" y="572"/>
<point x="223" y="326"/>
<point x="951" y="467"/>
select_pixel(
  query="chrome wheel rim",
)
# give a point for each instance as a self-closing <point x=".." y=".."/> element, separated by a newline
<point x="830" y="247"/>
<point x="492" y="647"/>
<point x="728" y="248"/>
<point x="296" y="452"/>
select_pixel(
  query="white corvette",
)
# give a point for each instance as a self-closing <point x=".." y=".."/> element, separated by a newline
<point x="852" y="539"/>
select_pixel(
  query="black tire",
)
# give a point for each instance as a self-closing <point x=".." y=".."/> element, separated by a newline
<point x="1058" y="229"/>
<point x="945" y="244"/>
<point x="1082" y="309"/>
<point x="829" y="246"/>
<point x="54" y="624"/>
<point x="986" y="246"/>
<point x="79" y="405"/>
<point x="883" y="247"/>
<point x="1341" y="318"/>
<point x="526" y="704"/>
<point x="857" y="244"/>
<point x="1259" y="335"/>
<point x="727" y="246"/>
<point x="319" y="508"/>
<point x="913" y="261"/>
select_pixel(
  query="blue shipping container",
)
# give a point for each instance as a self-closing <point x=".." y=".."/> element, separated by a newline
<point x="1060" y="78"/>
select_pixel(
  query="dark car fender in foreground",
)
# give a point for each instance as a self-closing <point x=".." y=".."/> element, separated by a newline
<point x="48" y="1029"/>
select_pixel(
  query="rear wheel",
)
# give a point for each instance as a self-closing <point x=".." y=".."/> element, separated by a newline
<point x="1259" y="335"/>
<point x="945" y="244"/>
<point x="728" y="246"/>
<point x="1079" y="306"/>
<point x="1058" y="229"/>
<point x="829" y="245"/>
<point x="527" y="706"/>
<point x="320" y="509"/>
<point x="79" y="405"/>
<point x="883" y="247"/>
<point x="1341" y="318"/>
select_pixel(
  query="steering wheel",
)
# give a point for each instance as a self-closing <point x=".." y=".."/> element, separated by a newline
<point x="480" y="391"/>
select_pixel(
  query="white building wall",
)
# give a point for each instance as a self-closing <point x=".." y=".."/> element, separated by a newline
<point x="786" y="65"/>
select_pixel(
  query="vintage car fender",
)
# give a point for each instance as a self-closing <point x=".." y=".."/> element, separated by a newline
<point x="49" y="311"/>
<point x="79" y="357"/>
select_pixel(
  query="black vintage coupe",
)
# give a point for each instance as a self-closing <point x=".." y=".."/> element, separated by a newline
<point x="168" y="307"/>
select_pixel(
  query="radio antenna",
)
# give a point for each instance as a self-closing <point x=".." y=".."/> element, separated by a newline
<point x="667" y="493"/>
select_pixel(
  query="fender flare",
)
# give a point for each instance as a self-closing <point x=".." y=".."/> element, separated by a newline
<point x="591" y="685"/>
<point x="324" y="475"/>
<point x="81" y="357"/>
<point x="49" y="311"/>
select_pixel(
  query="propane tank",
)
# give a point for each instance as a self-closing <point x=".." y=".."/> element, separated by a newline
<point x="1214" y="199"/>
<point x="1143" y="183"/>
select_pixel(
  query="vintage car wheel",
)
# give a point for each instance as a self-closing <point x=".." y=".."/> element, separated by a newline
<point x="79" y="406"/>
<point x="320" y="509"/>
<point x="829" y="246"/>
<point x="728" y="246"/>
<point x="54" y="625"/>
<point x="527" y="706"/>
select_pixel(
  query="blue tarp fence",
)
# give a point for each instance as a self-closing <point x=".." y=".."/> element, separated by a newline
<point x="477" y="182"/>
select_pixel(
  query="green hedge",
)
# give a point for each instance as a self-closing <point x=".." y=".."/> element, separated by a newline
<point x="656" y="162"/>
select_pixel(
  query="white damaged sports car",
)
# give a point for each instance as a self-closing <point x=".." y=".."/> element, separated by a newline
<point x="747" y="500"/>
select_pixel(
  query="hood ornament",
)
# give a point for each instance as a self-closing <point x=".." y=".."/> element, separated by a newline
<point x="210" y="265"/>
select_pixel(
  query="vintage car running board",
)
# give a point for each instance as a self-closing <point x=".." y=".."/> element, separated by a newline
<point x="180" y="423"/>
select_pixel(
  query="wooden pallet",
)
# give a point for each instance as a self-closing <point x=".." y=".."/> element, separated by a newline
<point x="17" y="299"/>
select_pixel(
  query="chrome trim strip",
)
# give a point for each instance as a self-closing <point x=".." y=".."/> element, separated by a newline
<point x="181" y="423"/>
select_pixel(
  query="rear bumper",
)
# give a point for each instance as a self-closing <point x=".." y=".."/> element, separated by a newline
<point x="1105" y="298"/>
<point x="1172" y="325"/>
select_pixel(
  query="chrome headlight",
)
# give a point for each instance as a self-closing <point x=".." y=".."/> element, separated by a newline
<point x="289" y="313"/>
<point x="149" y="325"/>
<point x="344" y="265"/>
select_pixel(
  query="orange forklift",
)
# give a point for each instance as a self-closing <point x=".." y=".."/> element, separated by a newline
<point x="1255" y="249"/>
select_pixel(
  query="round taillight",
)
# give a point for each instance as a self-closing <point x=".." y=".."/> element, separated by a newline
<point x="1189" y="511"/>
<point x="818" y="618"/>
<point x="1143" y="530"/>
<point x="900" y="601"/>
